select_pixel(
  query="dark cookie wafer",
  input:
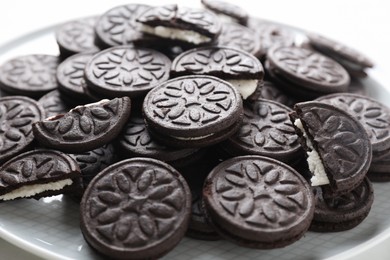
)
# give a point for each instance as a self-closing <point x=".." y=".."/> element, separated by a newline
<point x="344" y="212"/>
<point x="380" y="166"/>
<point x="338" y="148"/>
<point x="77" y="36"/>
<point x="94" y="161"/>
<point x="189" y="26"/>
<point x="17" y="114"/>
<point x="271" y="91"/>
<point x="70" y="75"/>
<point x="84" y="128"/>
<point x="267" y="131"/>
<point x="240" y="37"/>
<point x="126" y="71"/>
<point x="193" y="111"/>
<point x="270" y="35"/>
<point x="117" y="26"/>
<point x="373" y="115"/>
<point x="135" y="209"/>
<point x="39" y="173"/>
<point x="135" y="141"/>
<point x="243" y="70"/>
<point x="258" y="202"/>
<point x="227" y="11"/>
<point x="309" y="70"/>
<point x="53" y="104"/>
<point x="30" y="75"/>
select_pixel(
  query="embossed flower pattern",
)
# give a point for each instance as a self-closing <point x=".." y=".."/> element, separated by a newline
<point x="263" y="196"/>
<point x="137" y="206"/>
<point x="195" y="102"/>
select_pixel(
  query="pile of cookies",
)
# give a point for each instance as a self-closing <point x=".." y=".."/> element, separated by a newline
<point x="165" y="121"/>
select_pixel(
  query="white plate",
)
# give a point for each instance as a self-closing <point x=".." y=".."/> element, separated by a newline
<point x="50" y="227"/>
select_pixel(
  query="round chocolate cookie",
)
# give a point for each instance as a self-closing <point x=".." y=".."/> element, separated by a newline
<point x="240" y="37"/>
<point x="135" y="209"/>
<point x="39" y="173"/>
<point x="135" y="141"/>
<point x="307" y="70"/>
<point x="17" y="114"/>
<point x="77" y="36"/>
<point x="53" y="104"/>
<point x="30" y="75"/>
<point x="183" y="25"/>
<point x="94" y="161"/>
<point x="117" y="26"/>
<point x="270" y="35"/>
<point x="344" y="212"/>
<point x="227" y="11"/>
<point x="258" y="202"/>
<point x="373" y="115"/>
<point x="70" y="75"/>
<point x="126" y="71"/>
<point x="193" y="111"/>
<point x="243" y="70"/>
<point x="266" y="130"/>
<point x="272" y="92"/>
<point x="354" y="61"/>
<point x="338" y="148"/>
<point x="84" y="128"/>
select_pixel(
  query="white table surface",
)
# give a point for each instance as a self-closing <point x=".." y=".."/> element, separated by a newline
<point x="362" y="24"/>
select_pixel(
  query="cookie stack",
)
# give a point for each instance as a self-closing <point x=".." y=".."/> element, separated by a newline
<point x="165" y="121"/>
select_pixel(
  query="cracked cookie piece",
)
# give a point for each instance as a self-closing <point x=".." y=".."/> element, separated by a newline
<point x="136" y="209"/>
<point x="258" y="202"/>
<point x="337" y="146"/>
<point x="193" y="111"/>
<point x="39" y="173"/>
<point x="84" y="128"/>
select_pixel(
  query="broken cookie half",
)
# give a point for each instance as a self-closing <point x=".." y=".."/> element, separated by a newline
<point x="338" y="149"/>
<point x="39" y="173"/>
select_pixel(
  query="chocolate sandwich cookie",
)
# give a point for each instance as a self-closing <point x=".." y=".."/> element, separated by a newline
<point x="271" y="35"/>
<point x="227" y="11"/>
<point x="77" y="36"/>
<point x="239" y="37"/>
<point x="135" y="141"/>
<point x="272" y="92"/>
<point x="135" y="209"/>
<point x="30" y="75"/>
<point x="373" y="115"/>
<point x="337" y="146"/>
<point x="354" y="61"/>
<point x="306" y="71"/>
<point x="344" y="212"/>
<point x="243" y="70"/>
<point x="117" y="26"/>
<point x="188" y="26"/>
<point x="84" y="128"/>
<point x="126" y="71"/>
<point x="17" y="114"/>
<point x="258" y="202"/>
<point x="193" y="111"/>
<point x="94" y="161"/>
<point x="39" y="173"/>
<point x="53" y="104"/>
<point x="266" y="130"/>
<point x="70" y="76"/>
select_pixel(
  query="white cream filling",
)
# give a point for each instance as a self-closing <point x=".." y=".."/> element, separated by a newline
<point x="245" y="87"/>
<point x="176" y="34"/>
<point x="103" y="101"/>
<point x="314" y="161"/>
<point x="33" y="189"/>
